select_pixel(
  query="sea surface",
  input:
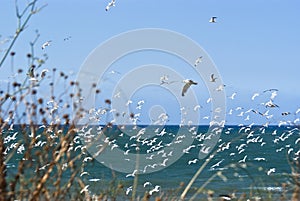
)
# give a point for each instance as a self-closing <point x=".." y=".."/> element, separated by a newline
<point x="255" y="160"/>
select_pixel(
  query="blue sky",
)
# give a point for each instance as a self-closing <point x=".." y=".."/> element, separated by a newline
<point x="254" y="44"/>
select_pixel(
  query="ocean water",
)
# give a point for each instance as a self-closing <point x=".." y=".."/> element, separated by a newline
<point x="251" y="159"/>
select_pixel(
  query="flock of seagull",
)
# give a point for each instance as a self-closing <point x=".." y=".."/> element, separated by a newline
<point x="155" y="145"/>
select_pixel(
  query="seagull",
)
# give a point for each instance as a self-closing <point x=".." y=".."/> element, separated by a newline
<point x="198" y="60"/>
<point x="193" y="161"/>
<point x="187" y="85"/>
<point x="270" y="90"/>
<point x="273" y="95"/>
<point x="128" y="190"/>
<point x="165" y="80"/>
<point x="213" y="19"/>
<point x="197" y="107"/>
<point x="225" y="197"/>
<point x="232" y="96"/>
<point x="217" y="164"/>
<point x="271" y="104"/>
<point x="270" y="171"/>
<point x="213" y="78"/>
<point x="147" y="183"/>
<point x="110" y="4"/>
<point x="47" y="43"/>
<point x="155" y="190"/>
<point x="67" y="38"/>
<point x="254" y="96"/>
<point x="220" y="87"/>
<point x="243" y="160"/>
<point x="85" y="189"/>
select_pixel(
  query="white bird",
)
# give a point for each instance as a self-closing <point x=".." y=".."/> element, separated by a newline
<point x="270" y="171"/>
<point x="84" y="173"/>
<point x="273" y="95"/>
<point x="164" y="79"/>
<point x="213" y="78"/>
<point x="110" y="4"/>
<point x="217" y="164"/>
<point x="197" y="107"/>
<point x="205" y="149"/>
<point x="213" y="19"/>
<point x="47" y="43"/>
<point x="232" y="96"/>
<point x="187" y="85"/>
<point x="85" y="189"/>
<point x="244" y="159"/>
<point x="88" y="158"/>
<point x="259" y="159"/>
<point x="198" y="60"/>
<point x="147" y="183"/>
<point x="128" y="190"/>
<point x="254" y="96"/>
<point x="132" y="174"/>
<point x="193" y="161"/>
<point x="220" y="87"/>
<point x="94" y="179"/>
<point x="208" y="100"/>
<point x="155" y="190"/>
<point x="271" y="104"/>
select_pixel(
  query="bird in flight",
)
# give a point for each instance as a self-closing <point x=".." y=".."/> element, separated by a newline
<point x="198" y="60"/>
<point x="271" y="104"/>
<point x="270" y="90"/>
<point x="47" y="43"/>
<point x="187" y="85"/>
<point x="213" y="19"/>
<point x="213" y="78"/>
<point x="110" y="4"/>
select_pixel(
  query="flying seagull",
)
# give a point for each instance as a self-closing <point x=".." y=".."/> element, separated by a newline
<point x="213" y="78"/>
<point x="110" y="4"/>
<point x="213" y="19"/>
<point x="270" y="90"/>
<point x="47" y="43"/>
<point x="187" y="85"/>
<point x="198" y="60"/>
<point x="271" y="104"/>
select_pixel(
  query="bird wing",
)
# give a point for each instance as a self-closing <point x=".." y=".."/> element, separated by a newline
<point x="185" y="88"/>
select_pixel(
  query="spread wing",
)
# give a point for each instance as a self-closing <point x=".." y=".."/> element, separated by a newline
<point x="185" y="88"/>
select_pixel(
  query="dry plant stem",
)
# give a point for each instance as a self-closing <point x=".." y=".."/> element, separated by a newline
<point x="86" y="193"/>
<point x="135" y="182"/>
<point x="2" y="172"/>
<point x="21" y="27"/>
<point x="202" y="187"/>
<point x="63" y="149"/>
<point x="182" y="196"/>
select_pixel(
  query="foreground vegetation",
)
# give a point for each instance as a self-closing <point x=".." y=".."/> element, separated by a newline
<point x="40" y="132"/>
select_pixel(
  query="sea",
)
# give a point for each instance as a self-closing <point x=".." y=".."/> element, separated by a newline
<point x="259" y="161"/>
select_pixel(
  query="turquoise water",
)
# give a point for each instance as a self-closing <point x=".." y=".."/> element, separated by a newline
<point x="246" y="158"/>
